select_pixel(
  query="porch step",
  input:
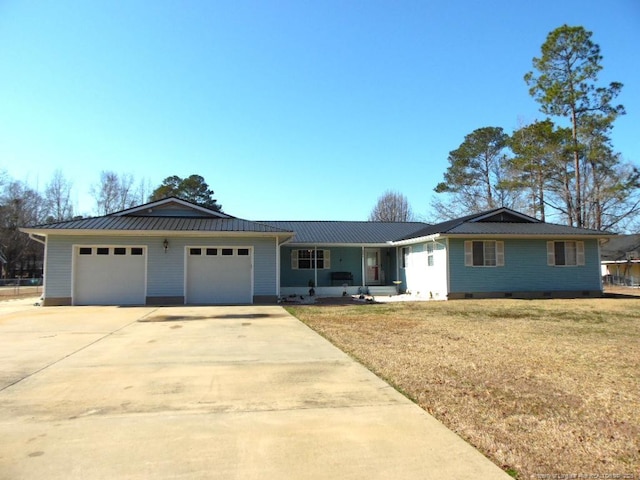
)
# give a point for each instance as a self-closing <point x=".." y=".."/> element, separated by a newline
<point x="382" y="290"/>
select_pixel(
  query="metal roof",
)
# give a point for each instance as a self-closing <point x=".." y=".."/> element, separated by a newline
<point x="346" y="232"/>
<point x="616" y="249"/>
<point x="164" y="224"/>
<point x="499" y="222"/>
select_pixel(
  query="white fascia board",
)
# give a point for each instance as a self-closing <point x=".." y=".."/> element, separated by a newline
<point x="165" y="201"/>
<point x="353" y="245"/>
<point x="148" y="233"/>
<point x="412" y="241"/>
<point x="544" y="236"/>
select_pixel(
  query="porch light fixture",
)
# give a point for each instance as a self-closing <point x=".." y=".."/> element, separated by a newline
<point x="165" y="244"/>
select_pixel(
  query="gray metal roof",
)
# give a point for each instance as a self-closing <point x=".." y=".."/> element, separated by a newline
<point x="616" y="248"/>
<point x="177" y="224"/>
<point x="502" y="221"/>
<point x="346" y="232"/>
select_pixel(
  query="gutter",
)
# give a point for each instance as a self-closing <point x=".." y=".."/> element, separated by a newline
<point x="34" y="236"/>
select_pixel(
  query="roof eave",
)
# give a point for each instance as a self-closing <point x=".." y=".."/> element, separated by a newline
<point x="154" y="233"/>
<point x="530" y="235"/>
<point x="411" y="241"/>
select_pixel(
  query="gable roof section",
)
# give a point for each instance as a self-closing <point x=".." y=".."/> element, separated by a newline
<point x="155" y="224"/>
<point x="500" y="222"/>
<point x="171" y="206"/>
<point x="161" y="217"/>
<point x="346" y="232"/>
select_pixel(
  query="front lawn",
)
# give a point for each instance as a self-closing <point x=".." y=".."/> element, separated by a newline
<point x="544" y="388"/>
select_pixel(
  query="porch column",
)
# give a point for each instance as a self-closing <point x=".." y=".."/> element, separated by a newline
<point x="364" y="281"/>
<point x="315" y="266"/>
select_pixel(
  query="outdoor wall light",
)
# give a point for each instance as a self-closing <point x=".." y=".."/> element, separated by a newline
<point x="165" y="244"/>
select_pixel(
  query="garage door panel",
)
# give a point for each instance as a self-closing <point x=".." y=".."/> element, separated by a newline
<point x="109" y="276"/>
<point x="219" y="275"/>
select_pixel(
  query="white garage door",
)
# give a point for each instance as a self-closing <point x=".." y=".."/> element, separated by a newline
<point x="109" y="275"/>
<point x="219" y="275"/>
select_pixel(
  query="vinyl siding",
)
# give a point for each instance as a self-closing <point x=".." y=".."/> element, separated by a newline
<point x="422" y="279"/>
<point x="525" y="269"/>
<point x="165" y="271"/>
<point x="343" y="259"/>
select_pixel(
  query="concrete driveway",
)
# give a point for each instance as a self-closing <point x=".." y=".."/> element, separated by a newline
<point x="203" y="392"/>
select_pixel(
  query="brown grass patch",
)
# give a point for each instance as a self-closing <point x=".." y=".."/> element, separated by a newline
<point x="541" y="387"/>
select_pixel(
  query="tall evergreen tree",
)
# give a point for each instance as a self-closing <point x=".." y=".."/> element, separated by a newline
<point x="193" y="189"/>
<point x="541" y="166"/>
<point x="565" y="85"/>
<point x="477" y="171"/>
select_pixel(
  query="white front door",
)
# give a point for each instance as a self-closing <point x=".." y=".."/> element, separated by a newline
<point x="373" y="274"/>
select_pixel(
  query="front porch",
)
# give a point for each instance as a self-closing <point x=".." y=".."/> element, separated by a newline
<point x="333" y="271"/>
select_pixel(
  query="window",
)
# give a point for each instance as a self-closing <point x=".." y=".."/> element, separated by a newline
<point x="195" y="251"/>
<point x="243" y="251"/>
<point x="119" y="251"/>
<point x="430" y="254"/>
<point x="212" y="252"/>
<point x="227" y="251"/>
<point x="310" y="259"/>
<point x="406" y="251"/>
<point x="565" y="253"/>
<point x="85" y="250"/>
<point x="483" y="253"/>
<point x="102" y="251"/>
<point x="136" y="251"/>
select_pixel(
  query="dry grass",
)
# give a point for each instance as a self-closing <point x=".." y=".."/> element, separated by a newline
<point x="544" y="388"/>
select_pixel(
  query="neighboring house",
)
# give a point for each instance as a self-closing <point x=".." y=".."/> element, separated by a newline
<point x="620" y="258"/>
<point x="174" y="252"/>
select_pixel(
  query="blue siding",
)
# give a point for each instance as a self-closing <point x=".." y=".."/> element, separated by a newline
<point x="525" y="270"/>
<point x="343" y="259"/>
<point x="165" y="271"/>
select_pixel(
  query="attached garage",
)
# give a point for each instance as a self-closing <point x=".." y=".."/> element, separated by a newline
<point x="219" y="275"/>
<point x="109" y="275"/>
<point x="166" y="252"/>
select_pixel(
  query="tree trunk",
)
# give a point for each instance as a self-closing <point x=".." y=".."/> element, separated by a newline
<point x="576" y="164"/>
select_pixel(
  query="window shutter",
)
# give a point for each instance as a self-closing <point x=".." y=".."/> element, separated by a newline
<point x="580" y="253"/>
<point x="551" y="253"/>
<point x="327" y="259"/>
<point x="294" y="259"/>
<point x="468" y="253"/>
<point x="499" y="254"/>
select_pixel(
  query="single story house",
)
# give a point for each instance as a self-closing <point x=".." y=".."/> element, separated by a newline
<point x="174" y="252"/>
<point x="620" y="258"/>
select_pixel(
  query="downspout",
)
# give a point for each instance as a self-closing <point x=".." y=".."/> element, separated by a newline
<point x="447" y="265"/>
<point x="43" y="241"/>
<point x="33" y="236"/>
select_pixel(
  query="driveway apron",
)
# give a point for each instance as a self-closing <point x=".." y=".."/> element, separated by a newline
<point x="204" y="393"/>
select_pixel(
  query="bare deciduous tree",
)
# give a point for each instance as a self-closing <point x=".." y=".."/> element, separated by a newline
<point x="392" y="207"/>
<point x="57" y="198"/>
<point x="19" y="206"/>
<point x="114" y="192"/>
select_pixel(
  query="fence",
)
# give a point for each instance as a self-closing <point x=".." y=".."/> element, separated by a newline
<point x="20" y="286"/>
<point x="622" y="281"/>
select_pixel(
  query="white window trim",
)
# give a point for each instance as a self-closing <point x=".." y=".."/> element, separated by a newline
<point x="551" y="253"/>
<point x="404" y="262"/>
<point x="468" y="253"/>
<point x="326" y="257"/>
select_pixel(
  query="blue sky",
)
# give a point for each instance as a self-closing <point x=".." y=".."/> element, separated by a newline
<point x="290" y="110"/>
